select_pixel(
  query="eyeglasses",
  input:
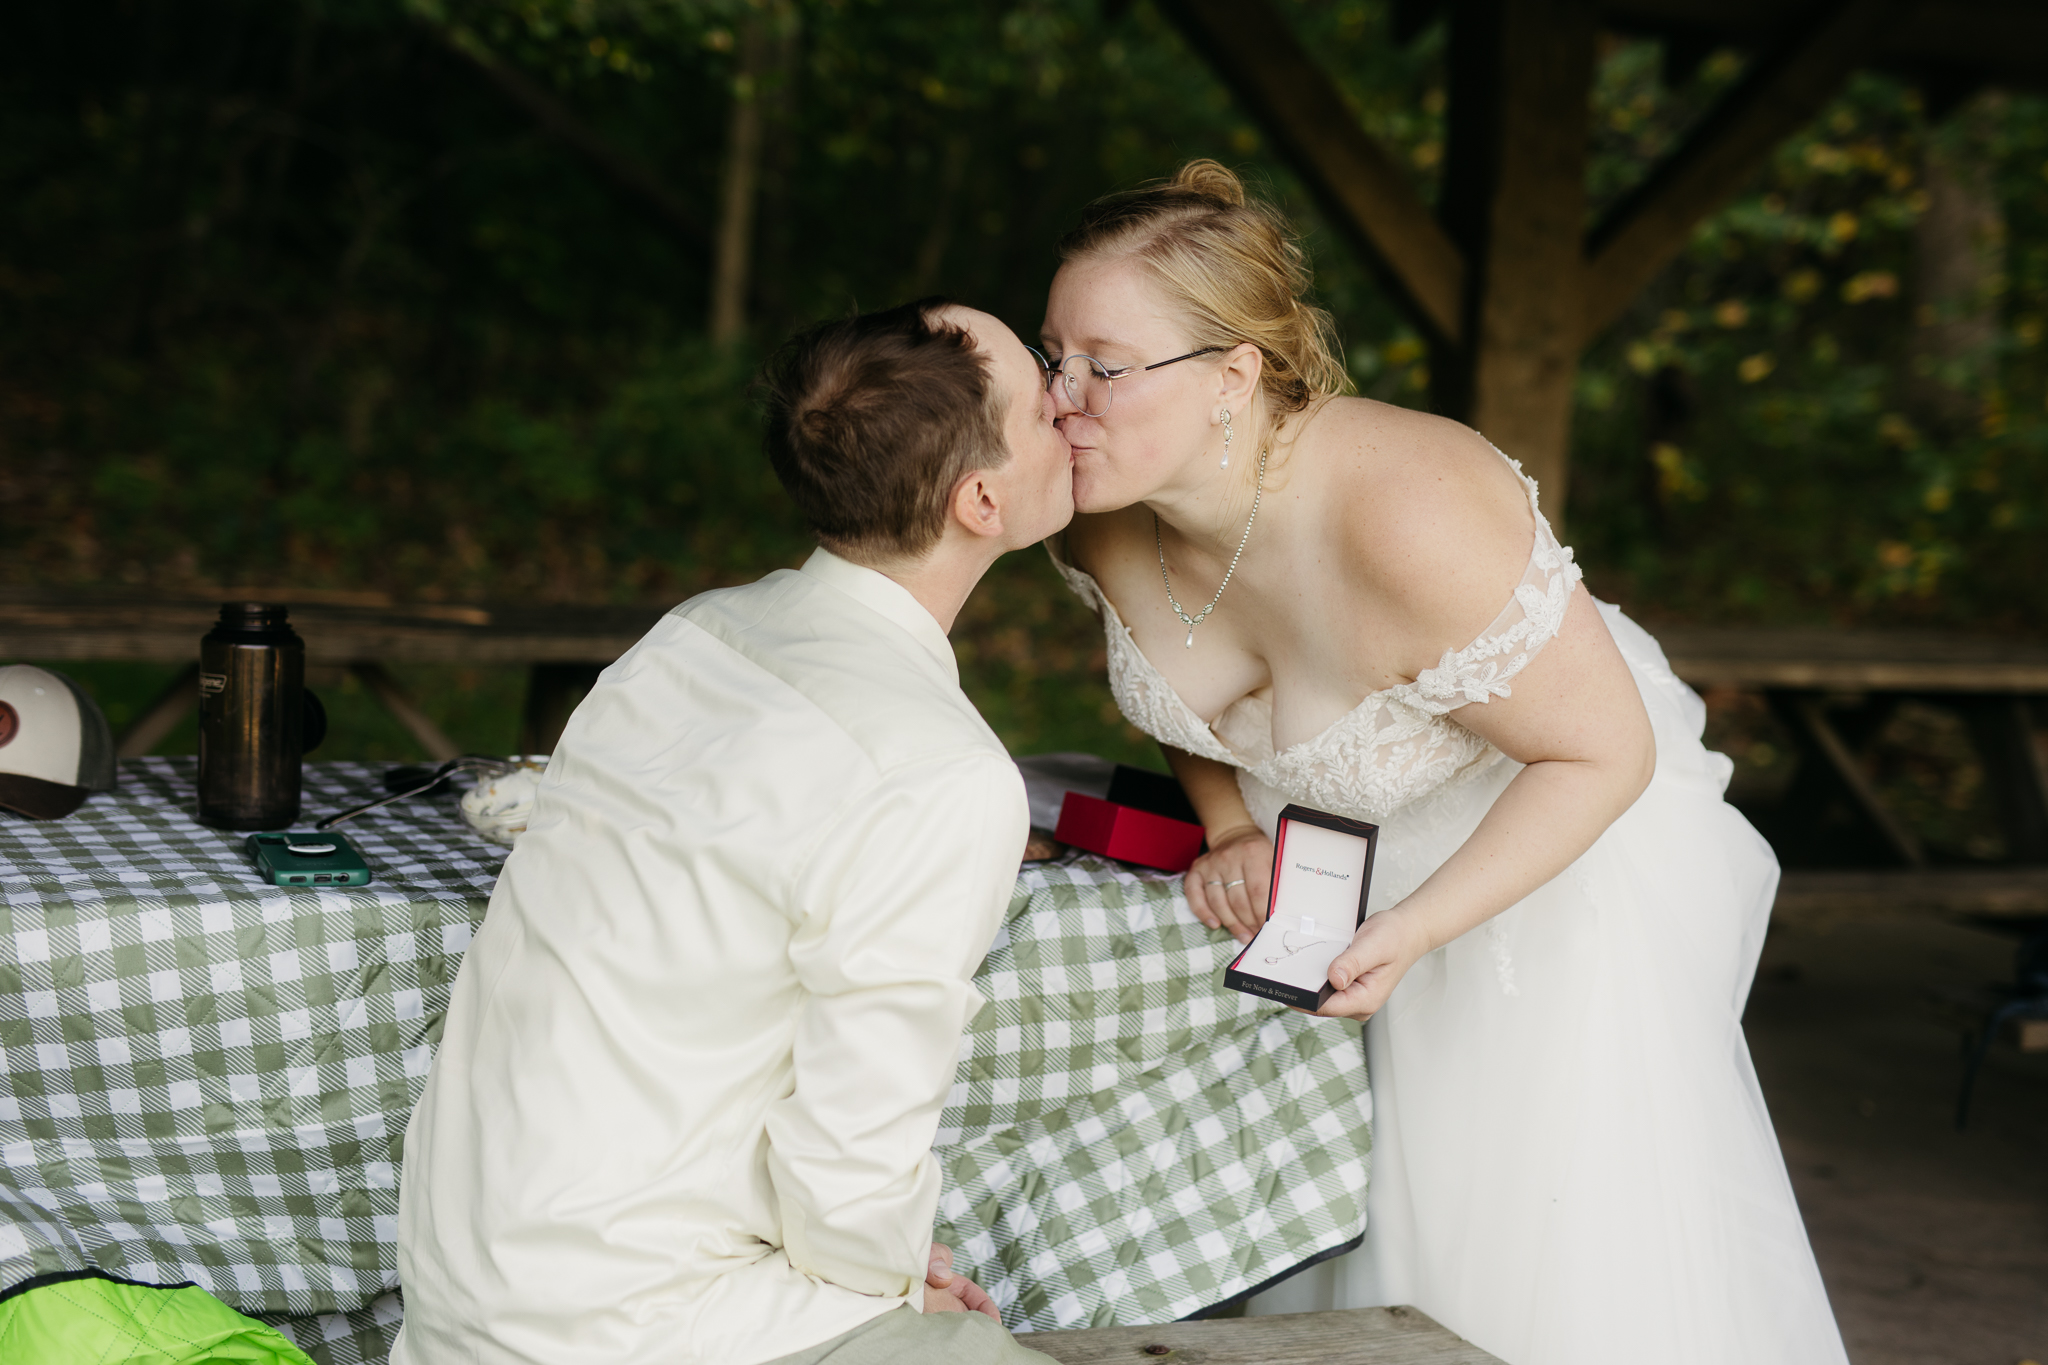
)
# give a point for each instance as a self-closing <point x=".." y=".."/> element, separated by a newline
<point x="1091" y="384"/>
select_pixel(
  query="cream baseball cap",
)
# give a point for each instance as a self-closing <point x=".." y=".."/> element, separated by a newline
<point x="55" y="748"/>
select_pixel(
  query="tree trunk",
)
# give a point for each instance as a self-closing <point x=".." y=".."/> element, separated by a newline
<point x="938" y="234"/>
<point x="779" y="159"/>
<point x="1960" y="271"/>
<point x="731" y="266"/>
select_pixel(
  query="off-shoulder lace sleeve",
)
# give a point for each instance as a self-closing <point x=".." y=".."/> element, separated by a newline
<point x="1483" y="669"/>
<point x="1400" y="744"/>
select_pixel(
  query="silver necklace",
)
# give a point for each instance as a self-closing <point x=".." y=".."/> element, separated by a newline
<point x="1159" y="544"/>
<point x="1309" y="939"/>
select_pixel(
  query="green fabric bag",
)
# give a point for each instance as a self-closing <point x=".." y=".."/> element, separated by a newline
<point x="88" y="1317"/>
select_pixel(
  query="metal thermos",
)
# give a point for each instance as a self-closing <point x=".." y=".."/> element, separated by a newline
<point x="252" y="710"/>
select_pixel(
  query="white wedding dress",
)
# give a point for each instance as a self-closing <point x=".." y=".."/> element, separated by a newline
<point x="1573" y="1164"/>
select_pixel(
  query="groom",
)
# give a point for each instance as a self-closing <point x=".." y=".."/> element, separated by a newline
<point x="694" y="1061"/>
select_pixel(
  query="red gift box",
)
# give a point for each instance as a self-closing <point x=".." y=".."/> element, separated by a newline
<point x="1127" y="833"/>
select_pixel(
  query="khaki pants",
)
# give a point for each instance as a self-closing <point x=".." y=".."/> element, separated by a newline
<point x="904" y="1336"/>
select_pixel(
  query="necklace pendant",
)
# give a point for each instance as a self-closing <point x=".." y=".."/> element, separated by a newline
<point x="1191" y="637"/>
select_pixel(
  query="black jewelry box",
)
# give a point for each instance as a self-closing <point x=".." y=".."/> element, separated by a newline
<point x="1322" y="871"/>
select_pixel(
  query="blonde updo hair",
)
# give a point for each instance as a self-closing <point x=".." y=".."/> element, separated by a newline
<point x="1233" y="266"/>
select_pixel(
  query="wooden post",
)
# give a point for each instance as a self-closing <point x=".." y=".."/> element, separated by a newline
<point x="2014" y="771"/>
<point x="1511" y="287"/>
<point x="552" y="691"/>
<point x="1514" y="200"/>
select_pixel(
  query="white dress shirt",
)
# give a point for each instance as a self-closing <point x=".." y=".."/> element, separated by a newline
<point x="684" y="1103"/>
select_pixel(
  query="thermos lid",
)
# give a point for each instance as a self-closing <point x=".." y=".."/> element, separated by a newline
<point x="253" y="615"/>
<point x="254" y="623"/>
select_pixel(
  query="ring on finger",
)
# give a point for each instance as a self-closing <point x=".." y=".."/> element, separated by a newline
<point x="1227" y="885"/>
<point x="1216" y="881"/>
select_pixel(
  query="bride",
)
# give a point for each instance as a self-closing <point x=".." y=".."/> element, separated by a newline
<point x="1360" y="608"/>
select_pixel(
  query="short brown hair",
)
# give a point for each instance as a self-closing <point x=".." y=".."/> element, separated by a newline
<point x="1234" y="267"/>
<point x="873" y="419"/>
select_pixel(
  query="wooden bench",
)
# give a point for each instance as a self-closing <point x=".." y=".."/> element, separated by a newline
<point x="1354" y="1336"/>
<point x="1833" y="691"/>
<point x="1821" y="898"/>
<point x="563" y="647"/>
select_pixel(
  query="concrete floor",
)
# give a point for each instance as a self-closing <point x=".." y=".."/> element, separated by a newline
<point x="1933" y="1243"/>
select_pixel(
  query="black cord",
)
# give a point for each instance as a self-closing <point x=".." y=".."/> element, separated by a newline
<point x="476" y="763"/>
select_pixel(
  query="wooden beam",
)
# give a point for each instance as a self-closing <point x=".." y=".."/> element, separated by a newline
<point x="405" y="711"/>
<point x="1357" y="182"/>
<point x="1810" y="719"/>
<point x="1514" y="202"/>
<point x="2003" y="42"/>
<point x="1855" y="660"/>
<point x="1782" y="93"/>
<point x="1821" y="898"/>
<point x="1413" y="17"/>
<point x="178" y="699"/>
<point x="60" y="624"/>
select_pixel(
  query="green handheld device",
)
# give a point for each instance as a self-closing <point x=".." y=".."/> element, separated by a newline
<point x="308" y="859"/>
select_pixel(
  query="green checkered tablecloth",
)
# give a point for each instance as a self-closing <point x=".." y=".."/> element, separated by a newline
<point x="206" y="1077"/>
<point x="1127" y="1141"/>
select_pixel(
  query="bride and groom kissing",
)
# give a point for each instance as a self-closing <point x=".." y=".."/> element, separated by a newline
<point x="684" y="1103"/>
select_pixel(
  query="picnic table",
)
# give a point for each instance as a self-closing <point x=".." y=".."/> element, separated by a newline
<point x="1833" y="691"/>
<point x="206" y="1077"/>
<point x="562" y="647"/>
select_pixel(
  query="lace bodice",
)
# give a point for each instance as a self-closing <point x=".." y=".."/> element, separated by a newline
<point x="1395" y="747"/>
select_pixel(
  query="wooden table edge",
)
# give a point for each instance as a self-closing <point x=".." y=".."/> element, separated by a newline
<point x="1345" y="1336"/>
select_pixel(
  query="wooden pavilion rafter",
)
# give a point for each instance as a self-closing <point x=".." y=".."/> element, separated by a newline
<point x="1784" y="89"/>
<point x="1505" y="276"/>
<point x="1360" y="185"/>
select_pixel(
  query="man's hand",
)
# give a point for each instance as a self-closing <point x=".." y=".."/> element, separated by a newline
<point x="1226" y="887"/>
<point x="1040" y="846"/>
<point x="947" y="1292"/>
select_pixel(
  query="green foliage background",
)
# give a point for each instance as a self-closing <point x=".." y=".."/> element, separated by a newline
<point x="293" y="295"/>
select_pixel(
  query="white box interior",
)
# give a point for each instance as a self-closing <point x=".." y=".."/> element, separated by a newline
<point x="1315" y="907"/>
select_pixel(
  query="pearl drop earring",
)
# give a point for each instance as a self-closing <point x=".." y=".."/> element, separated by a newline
<point x="1228" y="436"/>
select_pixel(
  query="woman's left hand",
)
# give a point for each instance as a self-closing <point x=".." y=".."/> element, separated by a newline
<point x="1226" y="887"/>
<point x="1365" y="974"/>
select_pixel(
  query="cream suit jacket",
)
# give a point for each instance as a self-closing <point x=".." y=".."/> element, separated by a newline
<point x="694" y="1060"/>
